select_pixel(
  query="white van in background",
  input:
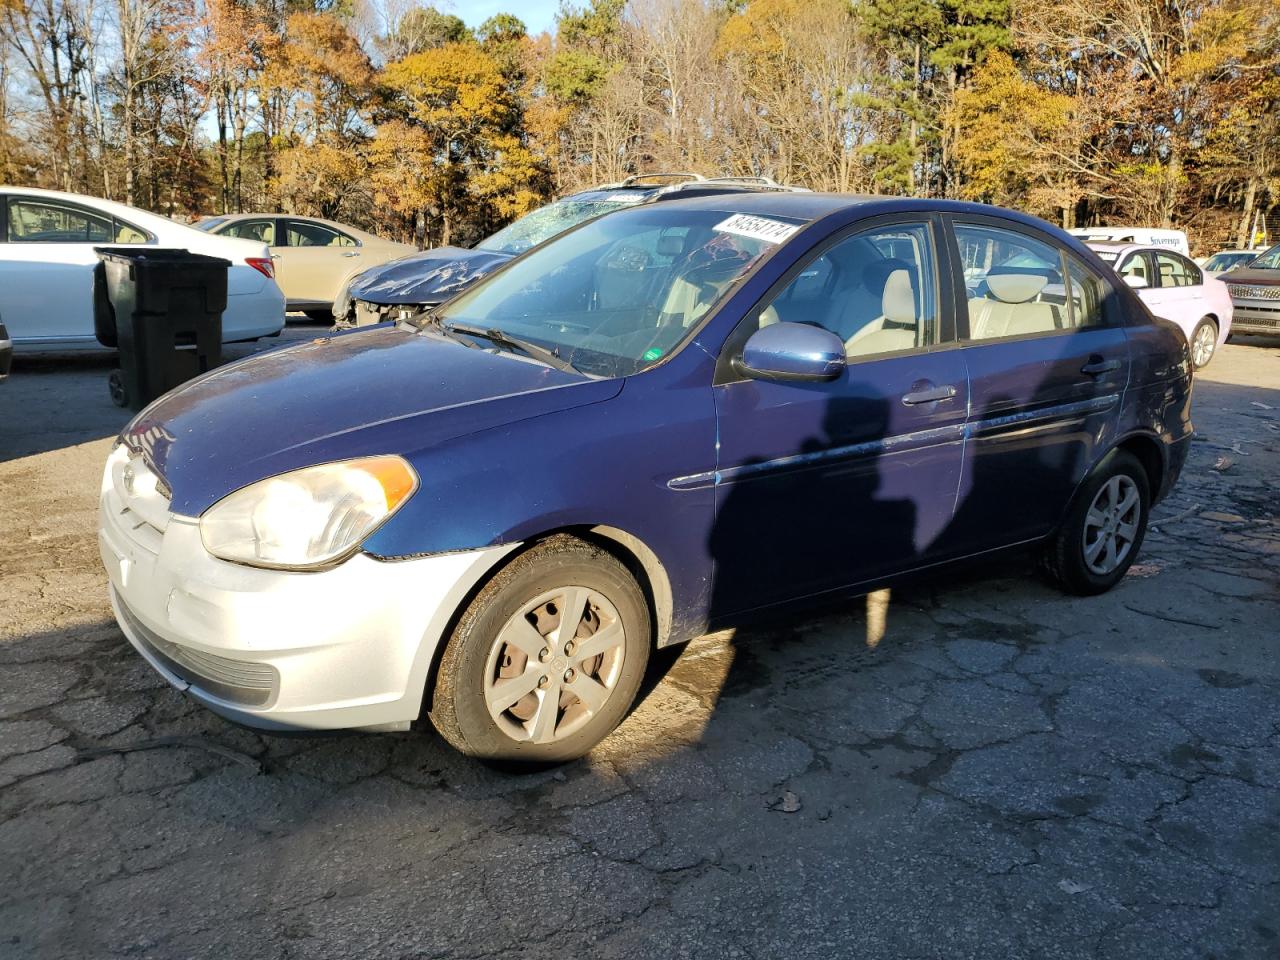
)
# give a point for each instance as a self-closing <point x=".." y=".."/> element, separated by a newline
<point x="1147" y="236"/>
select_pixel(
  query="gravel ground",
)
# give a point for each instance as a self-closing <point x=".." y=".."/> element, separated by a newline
<point x="1005" y="772"/>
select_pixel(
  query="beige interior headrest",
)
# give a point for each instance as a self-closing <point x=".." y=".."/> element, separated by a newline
<point x="1015" y="287"/>
<point x="899" y="301"/>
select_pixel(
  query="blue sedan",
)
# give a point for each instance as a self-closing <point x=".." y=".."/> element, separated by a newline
<point x="669" y="419"/>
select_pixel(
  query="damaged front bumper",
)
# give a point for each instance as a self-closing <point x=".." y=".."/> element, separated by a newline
<point x="362" y="313"/>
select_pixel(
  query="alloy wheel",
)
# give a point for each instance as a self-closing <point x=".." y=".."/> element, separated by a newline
<point x="554" y="664"/>
<point x="1202" y="347"/>
<point x="1111" y="525"/>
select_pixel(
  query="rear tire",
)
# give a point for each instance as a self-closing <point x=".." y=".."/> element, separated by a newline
<point x="1100" y="536"/>
<point x="509" y="639"/>
<point x="1203" y="343"/>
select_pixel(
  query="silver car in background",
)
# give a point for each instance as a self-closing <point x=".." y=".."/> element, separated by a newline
<point x="1255" y="291"/>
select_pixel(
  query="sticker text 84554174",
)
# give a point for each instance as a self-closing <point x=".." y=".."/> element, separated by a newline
<point x="758" y="228"/>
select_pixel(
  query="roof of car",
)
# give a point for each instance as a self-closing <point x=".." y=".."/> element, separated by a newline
<point x="265" y="215"/>
<point x="812" y="206"/>
<point x="344" y="227"/>
<point x="665" y="186"/>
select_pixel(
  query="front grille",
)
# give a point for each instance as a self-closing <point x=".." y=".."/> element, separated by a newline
<point x="1242" y="292"/>
<point x="235" y="681"/>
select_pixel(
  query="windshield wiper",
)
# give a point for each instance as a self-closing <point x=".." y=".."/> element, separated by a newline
<point x="429" y="319"/>
<point x="502" y="339"/>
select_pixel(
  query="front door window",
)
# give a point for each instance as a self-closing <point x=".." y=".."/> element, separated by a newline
<point x="874" y="290"/>
<point x="39" y="221"/>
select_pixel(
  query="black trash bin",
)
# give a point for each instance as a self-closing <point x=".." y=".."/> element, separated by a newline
<point x="162" y="309"/>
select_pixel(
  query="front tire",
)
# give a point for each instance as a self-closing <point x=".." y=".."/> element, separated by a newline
<point x="1104" y="527"/>
<point x="516" y="684"/>
<point x="1204" y="342"/>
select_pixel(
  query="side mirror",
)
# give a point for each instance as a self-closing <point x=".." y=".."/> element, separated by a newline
<point x="792" y="351"/>
<point x="1135" y="281"/>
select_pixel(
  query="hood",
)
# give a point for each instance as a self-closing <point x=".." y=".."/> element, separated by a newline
<point x="383" y="390"/>
<point x="428" y="277"/>
<point x="1253" y="278"/>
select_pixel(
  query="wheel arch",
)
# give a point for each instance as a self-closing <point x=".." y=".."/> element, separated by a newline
<point x="638" y="557"/>
<point x="649" y="572"/>
<point x="1150" y="452"/>
<point x="634" y="553"/>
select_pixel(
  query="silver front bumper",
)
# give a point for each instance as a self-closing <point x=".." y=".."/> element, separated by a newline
<point x="345" y="647"/>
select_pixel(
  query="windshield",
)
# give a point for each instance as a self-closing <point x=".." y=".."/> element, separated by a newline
<point x="1225" y="261"/>
<point x="1106" y="256"/>
<point x="209" y="223"/>
<point x="547" y="222"/>
<point x="623" y="291"/>
<point x="1270" y="260"/>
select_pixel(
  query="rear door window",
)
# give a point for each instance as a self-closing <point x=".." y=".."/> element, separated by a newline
<point x="1086" y="295"/>
<point x="1019" y="285"/>
<point x="262" y="231"/>
<point x="302" y="233"/>
<point x="1015" y="283"/>
<point x="1175" y="271"/>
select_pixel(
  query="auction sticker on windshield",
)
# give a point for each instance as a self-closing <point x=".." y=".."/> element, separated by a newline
<point x="758" y="228"/>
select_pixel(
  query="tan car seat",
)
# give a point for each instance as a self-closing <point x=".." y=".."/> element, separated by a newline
<point x="897" y="325"/>
<point x="1008" y="309"/>
<point x="694" y="293"/>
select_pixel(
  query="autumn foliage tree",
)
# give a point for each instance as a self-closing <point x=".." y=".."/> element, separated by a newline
<point x="400" y="117"/>
<point x="454" y="105"/>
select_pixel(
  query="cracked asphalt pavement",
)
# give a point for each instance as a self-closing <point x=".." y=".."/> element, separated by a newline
<point x="970" y="766"/>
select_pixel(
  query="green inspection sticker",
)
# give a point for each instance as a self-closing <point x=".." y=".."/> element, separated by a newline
<point x="653" y="353"/>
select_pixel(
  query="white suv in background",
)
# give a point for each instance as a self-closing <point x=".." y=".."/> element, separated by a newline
<point x="47" y="262"/>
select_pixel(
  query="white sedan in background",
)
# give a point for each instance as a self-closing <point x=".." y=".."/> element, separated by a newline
<point x="1174" y="288"/>
<point x="47" y="261"/>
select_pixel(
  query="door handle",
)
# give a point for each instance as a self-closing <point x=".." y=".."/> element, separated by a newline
<point x="275" y="256"/>
<point x="928" y="395"/>
<point x="351" y="254"/>
<point x="1096" y="366"/>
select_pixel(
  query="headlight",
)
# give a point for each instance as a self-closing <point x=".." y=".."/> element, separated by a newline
<point x="309" y="517"/>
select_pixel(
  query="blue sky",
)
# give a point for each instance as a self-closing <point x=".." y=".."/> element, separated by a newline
<point x="538" y="15"/>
